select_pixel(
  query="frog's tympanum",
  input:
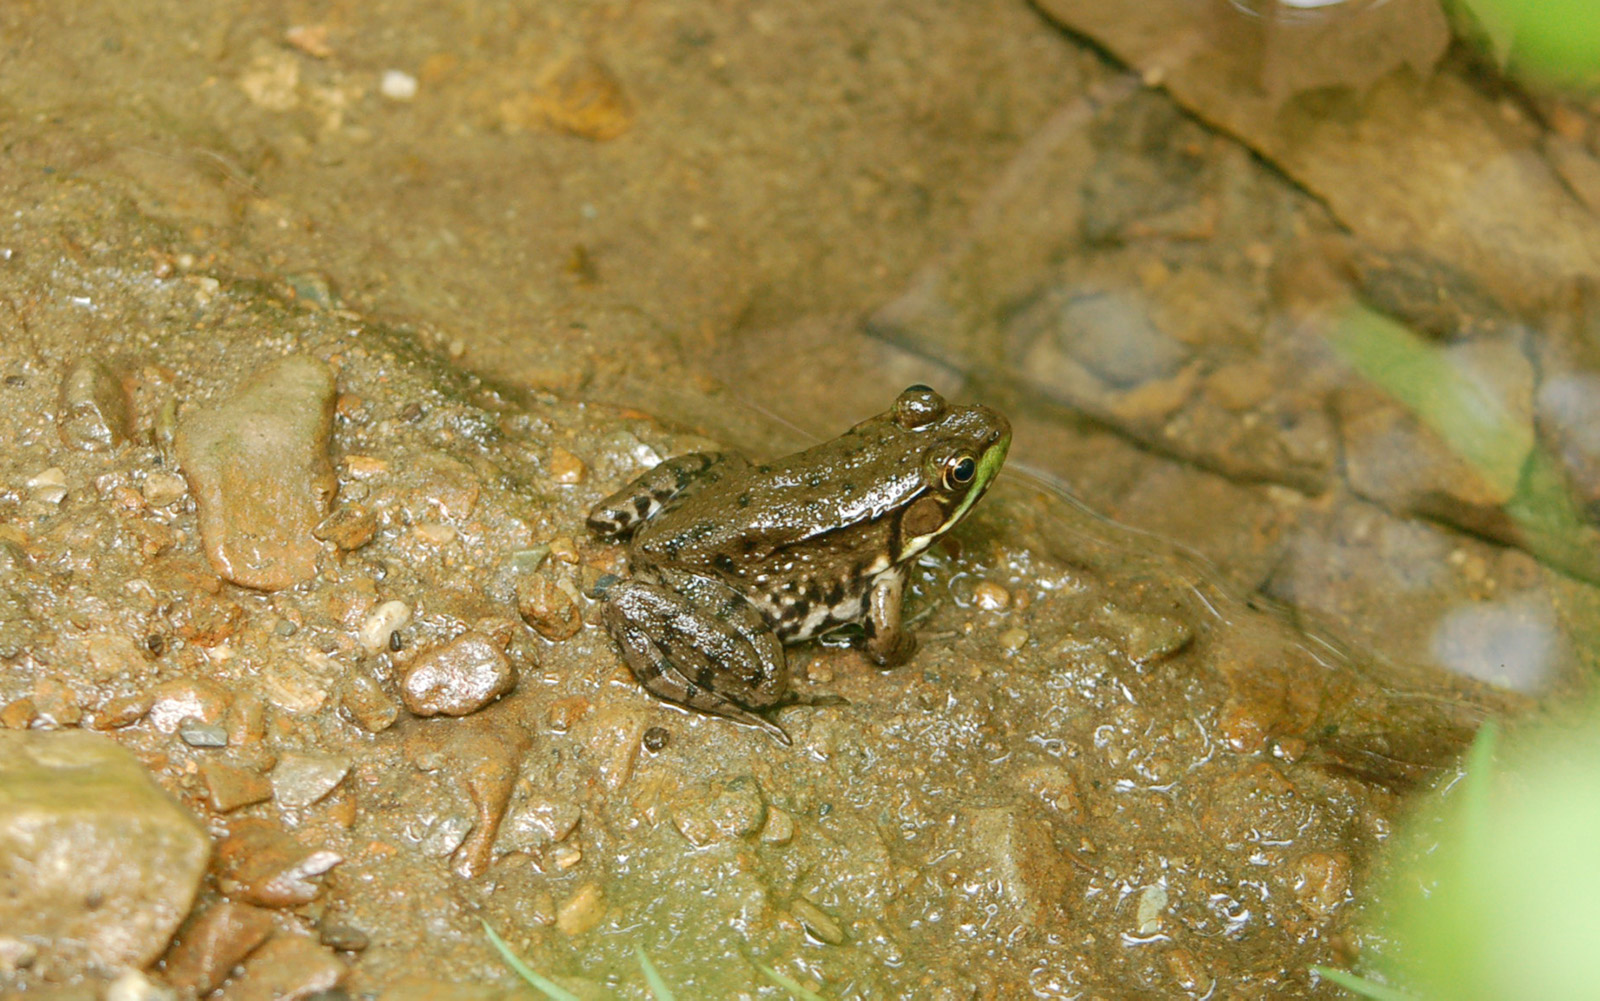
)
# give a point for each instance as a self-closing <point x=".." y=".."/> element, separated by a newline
<point x="731" y="560"/>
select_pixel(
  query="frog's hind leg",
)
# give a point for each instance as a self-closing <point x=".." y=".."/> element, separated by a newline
<point x="708" y="650"/>
<point x="618" y="515"/>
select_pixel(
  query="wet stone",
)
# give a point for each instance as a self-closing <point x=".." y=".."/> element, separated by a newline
<point x="258" y="466"/>
<point x="161" y="489"/>
<point x="378" y="628"/>
<point x="135" y="986"/>
<point x="229" y="787"/>
<point x="548" y="607"/>
<point x="198" y="733"/>
<point x="93" y="409"/>
<point x="349" y="527"/>
<point x="345" y="938"/>
<point x="458" y="678"/>
<point x="181" y="700"/>
<point x="367" y="703"/>
<point x="94" y="856"/>
<point x="736" y="811"/>
<point x="1147" y="637"/>
<point x="214" y="944"/>
<point x="819" y="923"/>
<point x="581" y="911"/>
<point x="261" y="863"/>
<point x="303" y="779"/>
<point x="288" y="968"/>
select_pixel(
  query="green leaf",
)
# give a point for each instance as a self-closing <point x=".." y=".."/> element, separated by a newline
<point x="550" y="988"/>
<point x="1361" y="985"/>
<point x="788" y="984"/>
<point x="658" y="987"/>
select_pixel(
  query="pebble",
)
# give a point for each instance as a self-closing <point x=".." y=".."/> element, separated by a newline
<point x="349" y="527"/>
<point x="161" y="489"/>
<point x="174" y="702"/>
<point x="135" y="986"/>
<point x="548" y="607"/>
<point x="73" y="795"/>
<point x="991" y="597"/>
<point x="581" y="911"/>
<point x="1322" y="882"/>
<point x="1152" y="905"/>
<point x="486" y="764"/>
<point x="368" y="704"/>
<point x="1014" y="639"/>
<point x="397" y="85"/>
<point x="779" y="828"/>
<point x="213" y="944"/>
<point x="18" y="714"/>
<point x="198" y="733"/>
<point x="566" y="468"/>
<point x="345" y="938"/>
<point x="229" y="787"/>
<point x="656" y="739"/>
<point x="300" y="780"/>
<point x="382" y="623"/>
<point x="289" y="967"/>
<point x="261" y="863"/>
<point x="49" y="485"/>
<point x="818" y="922"/>
<point x="737" y="810"/>
<point x="258" y="466"/>
<point x="92" y="415"/>
<point x="458" y="678"/>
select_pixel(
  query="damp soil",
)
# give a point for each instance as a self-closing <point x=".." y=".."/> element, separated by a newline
<point x="568" y="242"/>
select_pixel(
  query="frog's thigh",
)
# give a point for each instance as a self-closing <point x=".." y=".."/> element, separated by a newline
<point x="888" y="642"/>
<point x="683" y="653"/>
<point x="617" y="515"/>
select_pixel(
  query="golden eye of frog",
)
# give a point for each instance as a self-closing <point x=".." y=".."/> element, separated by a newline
<point x="730" y="561"/>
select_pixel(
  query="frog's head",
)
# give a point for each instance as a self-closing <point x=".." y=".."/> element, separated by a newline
<point x="961" y="450"/>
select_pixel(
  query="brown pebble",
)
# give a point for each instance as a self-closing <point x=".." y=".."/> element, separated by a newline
<point x="345" y="938"/>
<point x="56" y="704"/>
<point x="93" y="408"/>
<point x="247" y="719"/>
<point x="563" y="713"/>
<point x="18" y="714"/>
<point x="566" y="468"/>
<point x="991" y="597"/>
<point x="228" y="787"/>
<point x="261" y="863"/>
<point x="173" y="701"/>
<point x="581" y="911"/>
<point x="257" y="464"/>
<point x="458" y="678"/>
<point x="656" y="739"/>
<point x="123" y="710"/>
<point x="486" y="764"/>
<point x="1322" y="882"/>
<point x="564" y="549"/>
<point x="349" y="527"/>
<point x="368" y="704"/>
<point x="577" y="94"/>
<point x="213" y="944"/>
<point x="548" y="608"/>
<point x="289" y="967"/>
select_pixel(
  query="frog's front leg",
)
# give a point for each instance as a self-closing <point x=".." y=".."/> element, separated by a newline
<point x="697" y="642"/>
<point x="617" y="516"/>
<point x="888" y="642"/>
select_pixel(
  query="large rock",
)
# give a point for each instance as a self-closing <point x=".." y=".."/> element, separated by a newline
<point x="97" y="864"/>
<point x="258" y="466"/>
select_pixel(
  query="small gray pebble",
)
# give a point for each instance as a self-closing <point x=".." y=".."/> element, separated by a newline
<point x="198" y="733"/>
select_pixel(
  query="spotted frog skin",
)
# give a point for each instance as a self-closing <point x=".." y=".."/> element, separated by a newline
<point x="730" y="561"/>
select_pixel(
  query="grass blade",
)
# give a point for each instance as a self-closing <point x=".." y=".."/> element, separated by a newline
<point x="788" y="984"/>
<point x="1361" y="985"/>
<point x="551" y="989"/>
<point x="658" y="987"/>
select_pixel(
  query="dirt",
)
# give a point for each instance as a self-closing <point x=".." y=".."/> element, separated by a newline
<point x="311" y="371"/>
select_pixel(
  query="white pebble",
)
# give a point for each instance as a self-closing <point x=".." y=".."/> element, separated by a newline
<point x="397" y="85"/>
<point x="384" y="621"/>
<point x="50" y="486"/>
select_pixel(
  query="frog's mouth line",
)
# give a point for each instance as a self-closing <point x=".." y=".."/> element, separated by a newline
<point x="988" y="467"/>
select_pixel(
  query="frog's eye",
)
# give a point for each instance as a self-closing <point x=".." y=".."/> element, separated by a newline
<point x="959" y="471"/>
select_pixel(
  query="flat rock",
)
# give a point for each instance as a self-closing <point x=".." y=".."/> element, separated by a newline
<point x="288" y="968"/>
<point x="460" y="677"/>
<point x="261" y="863"/>
<point x="214" y="944"/>
<point x="257" y="464"/>
<point x="93" y="413"/>
<point x="94" y="857"/>
<point x="303" y="779"/>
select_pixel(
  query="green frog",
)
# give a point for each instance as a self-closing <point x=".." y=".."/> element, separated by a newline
<point x="730" y="561"/>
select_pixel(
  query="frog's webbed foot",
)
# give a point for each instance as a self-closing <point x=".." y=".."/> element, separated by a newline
<point x="615" y="518"/>
<point x="706" y="648"/>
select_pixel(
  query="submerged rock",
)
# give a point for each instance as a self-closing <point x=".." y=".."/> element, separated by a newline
<point x="258" y="466"/>
<point x="95" y="859"/>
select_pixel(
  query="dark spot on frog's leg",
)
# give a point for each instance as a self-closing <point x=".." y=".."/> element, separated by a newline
<point x="641" y="505"/>
<point x="690" y="691"/>
<point x="744" y="500"/>
<point x="835" y="593"/>
<point x="723" y="562"/>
